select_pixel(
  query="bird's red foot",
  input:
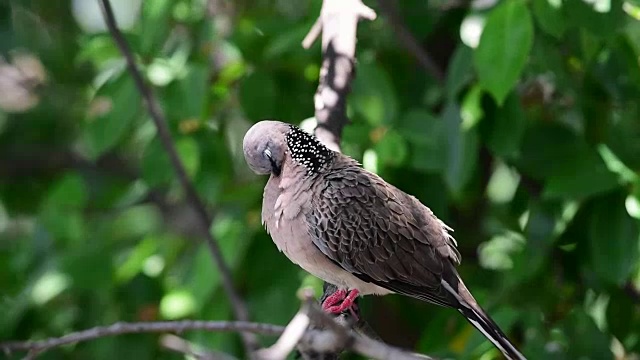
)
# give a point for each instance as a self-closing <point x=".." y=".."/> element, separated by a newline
<point x="340" y="301"/>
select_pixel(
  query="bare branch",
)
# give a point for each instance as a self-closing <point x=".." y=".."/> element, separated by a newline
<point x="291" y="336"/>
<point x="238" y="305"/>
<point x="313" y="34"/>
<point x="348" y="339"/>
<point x="390" y="8"/>
<point x="141" y="327"/>
<point x="333" y="339"/>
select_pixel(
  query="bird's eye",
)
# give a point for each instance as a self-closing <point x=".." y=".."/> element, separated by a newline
<point x="267" y="153"/>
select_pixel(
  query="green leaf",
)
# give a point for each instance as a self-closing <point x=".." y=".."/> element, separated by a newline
<point x="64" y="225"/>
<point x="136" y="221"/>
<point x="623" y="315"/>
<point x="588" y="15"/>
<point x="471" y="108"/>
<point x="587" y="175"/>
<point x="258" y="92"/>
<point x="204" y="278"/>
<point x="614" y="239"/>
<point x="507" y="128"/>
<point x="286" y="42"/>
<point x="95" y="257"/>
<point x="189" y="154"/>
<point x="117" y="104"/>
<point x="497" y="253"/>
<point x="459" y="72"/>
<point x="135" y="259"/>
<point x="585" y="341"/>
<point x="539" y="238"/>
<point x="100" y="50"/>
<point x="373" y="95"/>
<point x="425" y="134"/>
<point x="156" y="166"/>
<point x="31" y="29"/>
<point x="177" y="304"/>
<point x="61" y="212"/>
<point x="185" y="99"/>
<point x="624" y="138"/>
<point x="504" y="48"/>
<point x="70" y="192"/>
<point x="570" y="167"/>
<point x="392" y="148"/>
<point x="462" y="149"/>
<point x="154" y="24"/>
<point x="549" y="15"/>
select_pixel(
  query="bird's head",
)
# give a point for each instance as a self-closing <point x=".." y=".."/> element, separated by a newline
<point x="265" y="147"/>
<point x="268" y="144"/>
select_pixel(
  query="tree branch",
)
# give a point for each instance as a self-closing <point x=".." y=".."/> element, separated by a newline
<point x="121" y="328"/>
<point x="333" y="339"/>
<point x="406" y="38"/>
<point x="239" y="307"/>
<point x="338" y="21"/>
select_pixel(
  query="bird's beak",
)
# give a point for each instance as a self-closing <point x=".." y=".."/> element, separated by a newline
<point x="275" y="169"/>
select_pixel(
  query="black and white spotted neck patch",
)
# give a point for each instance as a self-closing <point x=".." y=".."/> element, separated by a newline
<point x="307" y="151"/>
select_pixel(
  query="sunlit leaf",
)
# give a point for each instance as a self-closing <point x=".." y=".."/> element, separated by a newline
<point x="425" y="134"/>
<point x="462" y="149"/>
<point x="502" y="54"/>
<point x="549" y="16"/>
<point x="460" y="70"/>
<point x="177" y="304"/>
<point x="117" y="104"/>
<point x="374" y="96"/>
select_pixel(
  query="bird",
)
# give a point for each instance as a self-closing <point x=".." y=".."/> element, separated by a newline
<point x="349" y="227"/>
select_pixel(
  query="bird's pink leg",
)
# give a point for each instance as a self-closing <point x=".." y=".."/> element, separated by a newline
<point x="334" y="299"/>
<point x="347" y="302"/>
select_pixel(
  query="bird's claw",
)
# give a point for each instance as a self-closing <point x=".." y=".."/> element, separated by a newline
<point x="340" y="301"/>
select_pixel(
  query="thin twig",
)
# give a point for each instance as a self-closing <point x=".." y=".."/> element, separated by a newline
<point x="390" y="8"/>
<point x="313" y="34"/>
<point x="238" y="305"/>
<point x="141" y="327"/>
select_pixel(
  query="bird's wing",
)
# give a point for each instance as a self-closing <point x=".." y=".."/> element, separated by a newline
<point x="386" y="237"/>
<point x="383" y="235"/>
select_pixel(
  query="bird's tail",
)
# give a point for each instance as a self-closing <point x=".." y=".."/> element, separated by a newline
<point x="469" y="308"/>
<point x="491" y="331"/>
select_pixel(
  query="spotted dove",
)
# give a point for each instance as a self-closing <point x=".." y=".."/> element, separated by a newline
<point x="350" y="228"/>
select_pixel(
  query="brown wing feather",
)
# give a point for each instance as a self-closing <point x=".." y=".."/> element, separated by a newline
<point x="381" y="234"/>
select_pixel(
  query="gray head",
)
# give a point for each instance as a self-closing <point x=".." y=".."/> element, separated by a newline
<point x="268" y="144"/>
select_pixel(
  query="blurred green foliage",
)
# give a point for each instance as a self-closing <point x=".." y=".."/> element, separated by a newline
<point x="530" y="149"/>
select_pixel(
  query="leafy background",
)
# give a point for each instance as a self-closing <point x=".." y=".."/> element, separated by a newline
<point x="529" y="148"/>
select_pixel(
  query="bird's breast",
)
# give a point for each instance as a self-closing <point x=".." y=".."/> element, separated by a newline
<point x="283" y="214"/>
